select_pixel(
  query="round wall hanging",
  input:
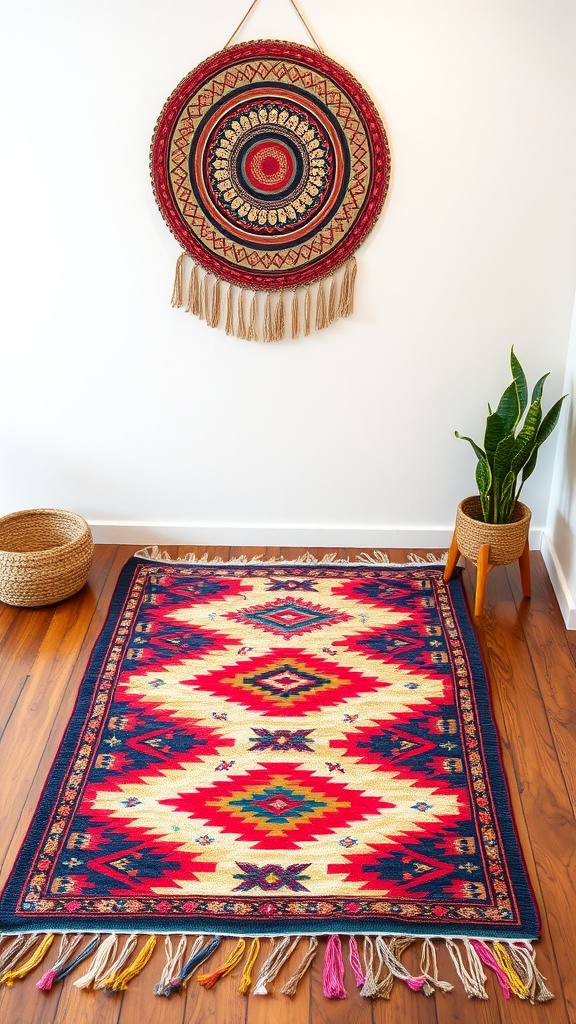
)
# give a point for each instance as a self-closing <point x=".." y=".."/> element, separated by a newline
<point x="270" y="165"/>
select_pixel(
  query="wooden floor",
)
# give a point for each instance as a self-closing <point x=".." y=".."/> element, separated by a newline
<point x="531" y="663"/>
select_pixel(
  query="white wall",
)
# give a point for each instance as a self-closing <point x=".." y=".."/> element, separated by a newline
<point x="130" y="412"/>
<point x="559" y="546"/>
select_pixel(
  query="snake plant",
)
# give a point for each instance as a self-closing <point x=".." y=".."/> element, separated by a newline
<point x="511" y="448"/>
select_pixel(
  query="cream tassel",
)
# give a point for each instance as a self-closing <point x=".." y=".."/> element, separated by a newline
<point x="103" y="975"/>
<point x="216" y="309"/>
<point x="279" y="318"/>
<point x="173" y="965"/>
<point x="229" y="311"/>
<point x="295" y="317"/>
<point x="252" y="334"/>
<point x="15" y="950"/>
<point x="429" y="967"/>
<point x="332" y="302"/>
<point x="346" y="306"/>
<point x="99" y="963"/>
<point x="267" y="322"/>
<point x="291" y="985"/>
<point x="206" y="299"/>
<point x="307" y="311"/>
<point x="242" y="331"/>
<point x="178" y="281"/>
<point x="280" y="953"/>
<point x="321" y="314"/>
<point x="119" y="982"/>
<point x="193" y="295"/>
<point x="473" y="978"/>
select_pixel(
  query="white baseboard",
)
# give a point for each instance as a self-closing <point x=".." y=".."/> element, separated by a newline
<point x="565" y="598"/>
<point x="142" y="534"/>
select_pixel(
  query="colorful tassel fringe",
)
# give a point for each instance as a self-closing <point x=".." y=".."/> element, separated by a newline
<point x="375" y="969"/>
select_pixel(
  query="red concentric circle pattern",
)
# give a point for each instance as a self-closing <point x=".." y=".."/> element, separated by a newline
<point x="270" y="164"/>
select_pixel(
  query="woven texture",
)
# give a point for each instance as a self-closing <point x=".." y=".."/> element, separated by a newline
<point x="45" y="556"/>
<point x="506" y="540"/>
<point x="271" y="749"/>
<point x="270" y="164"/>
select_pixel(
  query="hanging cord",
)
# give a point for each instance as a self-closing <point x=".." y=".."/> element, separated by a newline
<point x="298" y="12"/>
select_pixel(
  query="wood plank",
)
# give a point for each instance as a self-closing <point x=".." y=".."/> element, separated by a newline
<point x="551" y="655"/>
<point x="532" y="709"/>
<point x="539" y="801"/>
<point x="37" y="714"/>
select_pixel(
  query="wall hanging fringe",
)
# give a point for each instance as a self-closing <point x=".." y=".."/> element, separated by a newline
<point x="308" y="306"/>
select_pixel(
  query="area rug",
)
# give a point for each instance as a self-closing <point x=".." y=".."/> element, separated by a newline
<point x="285" y="750"/>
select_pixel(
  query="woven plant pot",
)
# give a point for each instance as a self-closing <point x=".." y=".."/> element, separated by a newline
<point x="506" y="540"/>
<point x="45" y="556"/>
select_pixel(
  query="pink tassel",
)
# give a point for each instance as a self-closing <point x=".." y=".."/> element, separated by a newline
<point x="490" y="960"/>
<point x="355" y="963"/>
<point x="415" y="983"/>
<point x="46" y="981"/>
<point x="333" y="977"/>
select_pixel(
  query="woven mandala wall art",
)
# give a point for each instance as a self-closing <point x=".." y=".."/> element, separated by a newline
<point x="270" y="164"/>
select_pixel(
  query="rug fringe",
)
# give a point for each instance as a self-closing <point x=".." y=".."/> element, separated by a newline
<point x="156" y="554"/>
<point x="375" y="970"/>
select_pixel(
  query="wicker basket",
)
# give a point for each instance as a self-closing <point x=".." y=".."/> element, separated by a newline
<point x="45" y="556"/>
<point x="506" y="540"/>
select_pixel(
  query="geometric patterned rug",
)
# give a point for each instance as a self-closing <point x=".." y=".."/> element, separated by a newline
<point x="288" y="750"/>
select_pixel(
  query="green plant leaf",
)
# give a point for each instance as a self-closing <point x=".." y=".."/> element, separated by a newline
<point x="549" y="422"/>
<point x="479" y="452"/>
<point x="545" y="429"/>
<point x="507" y="497"/>
<point x="495" y="431"/>
<point x="484" y="483"/>
<point x="526" y="439"/>
<point x="520" y="380"/>
<point x="539" y="387"/>
<point x="503" y="458"/>
<point x="509" y="408"/>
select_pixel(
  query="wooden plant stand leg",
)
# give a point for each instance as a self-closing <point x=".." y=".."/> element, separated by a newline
<point x="524" y="562"/>
<point x="453" y="556"/>
<point x="482" y="570"/>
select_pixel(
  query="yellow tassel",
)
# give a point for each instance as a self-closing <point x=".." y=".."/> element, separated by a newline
<point x="208" y="980"/>
<point x="246" y="979"/>
<point x="177" y="290"/>
<point x="36" y="958"/>
<point x="307" y="311"/>
<point x="119" y="982"/>
<point x="332" y="302"/>
<point x="516" y="984"/>
<point x="295" y="324"/>
<point x="267" y="322"/>
<point x="321" y="315"/>
<point x="279" y="318"/>
<point x="252" y="333"/>
<point x="229" y="311"/>
<point x="242" y="331"/>
<point x="216" y="310"/>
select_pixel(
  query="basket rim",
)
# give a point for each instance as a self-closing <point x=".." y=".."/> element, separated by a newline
<point x="526" y="514"/>
<point x="32" y="513"/>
